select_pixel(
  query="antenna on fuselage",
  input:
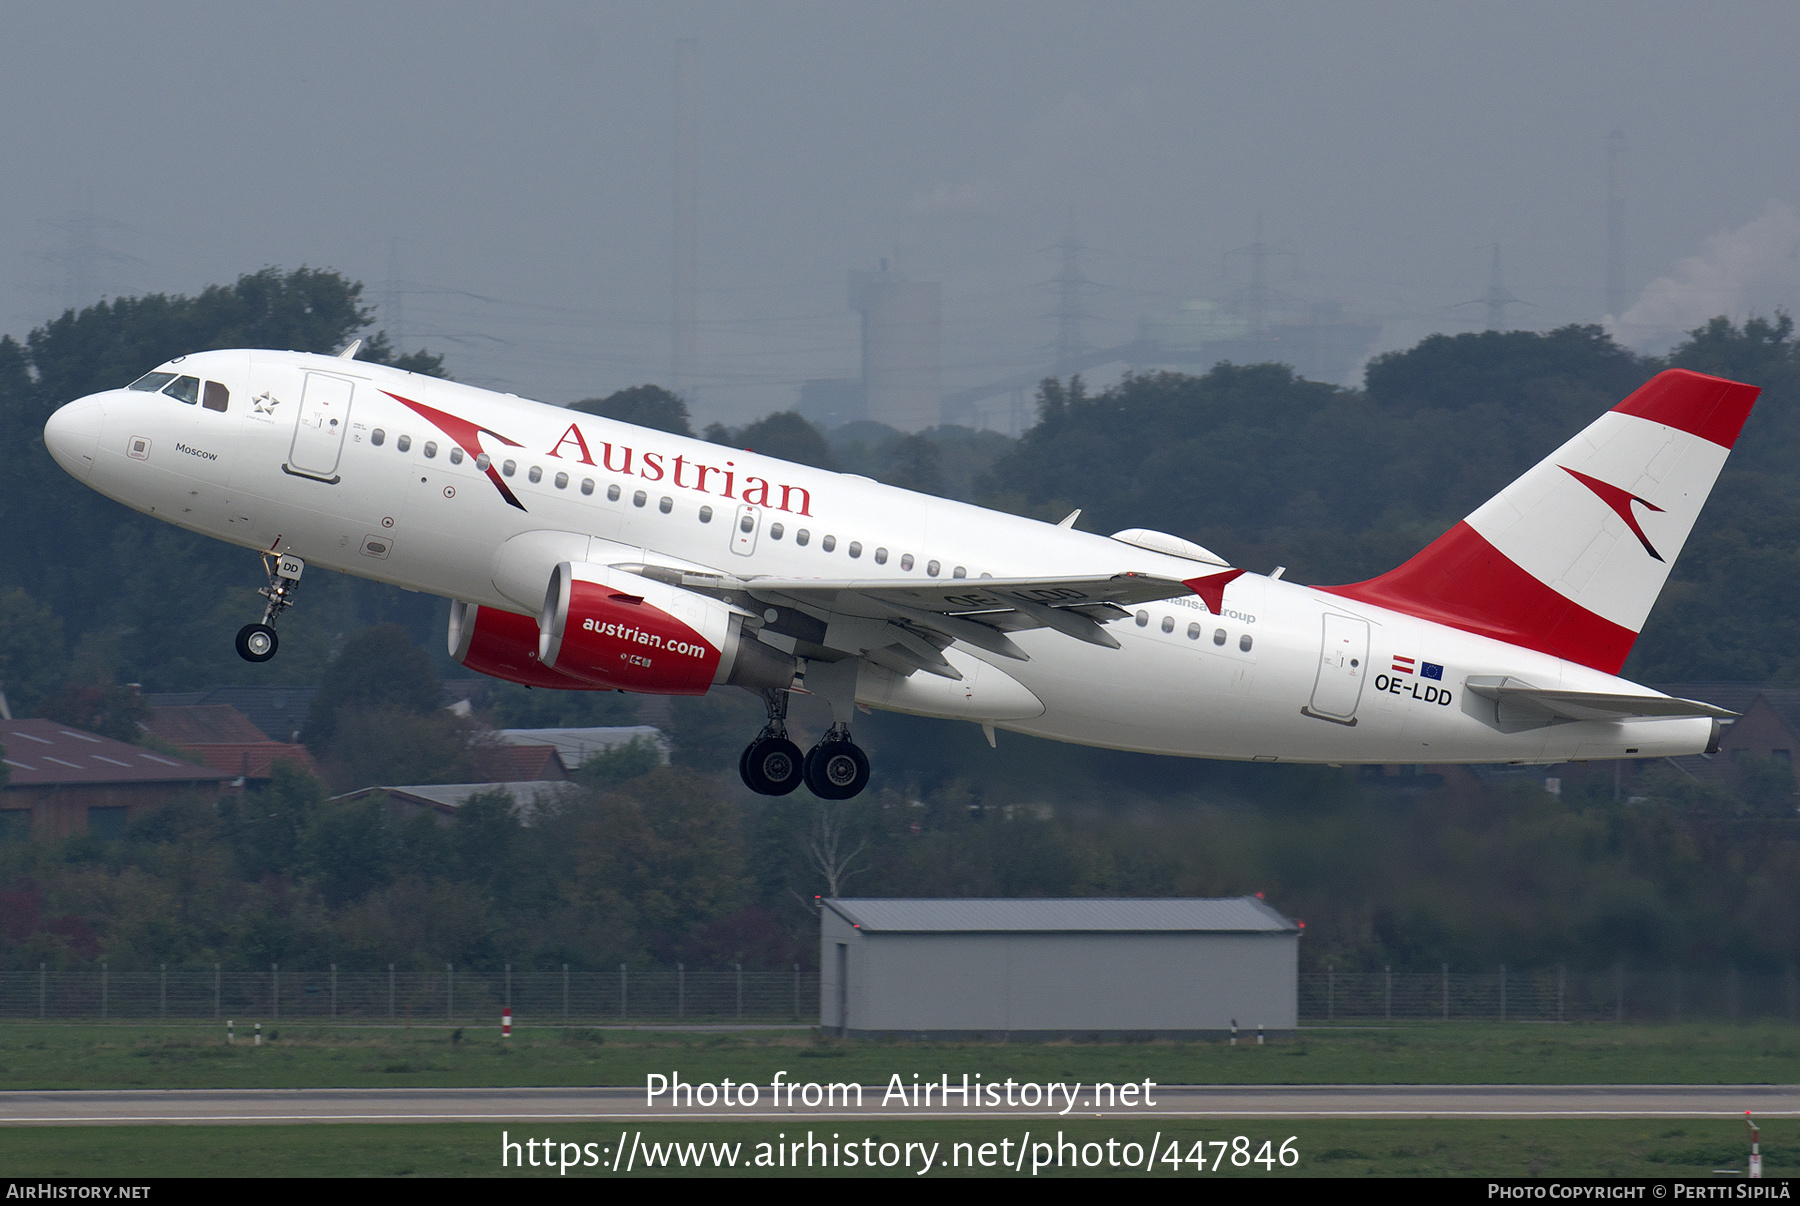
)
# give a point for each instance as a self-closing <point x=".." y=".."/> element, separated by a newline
<point x="350" y="350"/>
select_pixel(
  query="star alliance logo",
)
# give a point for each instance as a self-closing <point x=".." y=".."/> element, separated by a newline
<point x="265" y="403"/>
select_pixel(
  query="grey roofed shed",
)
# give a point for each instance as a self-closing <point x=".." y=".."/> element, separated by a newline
<point x="1184" y="967"/>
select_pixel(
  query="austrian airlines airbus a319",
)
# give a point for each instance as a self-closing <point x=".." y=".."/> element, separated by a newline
<point x="586" y="554"/>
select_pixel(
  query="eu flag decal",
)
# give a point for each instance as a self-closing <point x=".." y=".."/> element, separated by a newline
<point x="1431" y="670"/>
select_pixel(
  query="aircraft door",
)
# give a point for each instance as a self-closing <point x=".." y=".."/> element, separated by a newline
<point x="744" y="528"/>
<point x="1343" y="665"/>
<point x="320" y="425"/>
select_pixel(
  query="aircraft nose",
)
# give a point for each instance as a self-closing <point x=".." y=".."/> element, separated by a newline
<point x="72" y="434"/>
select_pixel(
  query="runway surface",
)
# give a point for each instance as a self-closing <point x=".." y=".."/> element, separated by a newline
<point x="213" y="1106"/>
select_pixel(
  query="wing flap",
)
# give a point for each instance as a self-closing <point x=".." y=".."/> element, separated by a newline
<point x="977" y="611"/>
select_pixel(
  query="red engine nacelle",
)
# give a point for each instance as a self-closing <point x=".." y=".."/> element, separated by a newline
<point x="615" y="629"/>
<point x="504" y="645"/>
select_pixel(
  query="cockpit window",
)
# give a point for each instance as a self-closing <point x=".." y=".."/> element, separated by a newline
<point x="151" y="382"/>
<point x="185" y="388"/>
<point x="217" y="397"/>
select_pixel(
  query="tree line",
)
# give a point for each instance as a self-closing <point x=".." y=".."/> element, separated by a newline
<point x="678" y="862"/>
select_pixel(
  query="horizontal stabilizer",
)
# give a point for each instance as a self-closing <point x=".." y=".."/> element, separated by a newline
<point x="1520" y="701"/>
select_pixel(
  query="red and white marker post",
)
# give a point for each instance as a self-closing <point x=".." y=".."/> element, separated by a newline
<point x="506" y="1022"/>
<point x="1755" y="1146"/>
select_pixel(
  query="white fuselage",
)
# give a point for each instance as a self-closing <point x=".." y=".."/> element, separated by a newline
<point x="1252" y="684"/>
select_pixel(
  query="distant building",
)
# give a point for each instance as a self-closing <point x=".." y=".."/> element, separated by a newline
<point x="575" y="746"/>
<point x="63" y="782"/>
<point x="992" y="968"/>
<point x="280" y="712"/>
<point x="441" y="801"/>
<point x="902" y="337"/>
<point x="1325" y="345"/>
<point x="223" y="738"/>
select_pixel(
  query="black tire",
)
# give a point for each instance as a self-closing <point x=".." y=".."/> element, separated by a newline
<point x="836" y="770"/>
<point x="772" y="766"/>
<point x="257" y="642"/>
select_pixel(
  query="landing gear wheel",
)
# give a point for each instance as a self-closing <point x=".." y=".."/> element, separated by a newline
<point x="771" y="766"/>
<point x="257" y="642"/>
<point x="836" y="770"/>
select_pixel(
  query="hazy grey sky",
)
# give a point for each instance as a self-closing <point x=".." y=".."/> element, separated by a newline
<point x="520" y="154"/>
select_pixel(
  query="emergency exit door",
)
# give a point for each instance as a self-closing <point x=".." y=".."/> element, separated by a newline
<point x="1343" y="666"/>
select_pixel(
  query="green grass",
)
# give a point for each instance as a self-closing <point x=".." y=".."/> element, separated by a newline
<point x="53" y="1056"/>
<point x="1629" y="1148"/>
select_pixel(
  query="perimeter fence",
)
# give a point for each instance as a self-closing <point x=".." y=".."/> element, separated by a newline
<point x="656" y="994"/>
<point x="1553" y="994"/>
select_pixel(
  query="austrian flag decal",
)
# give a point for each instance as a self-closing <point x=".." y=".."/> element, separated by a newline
<point x="1407" y="665"/>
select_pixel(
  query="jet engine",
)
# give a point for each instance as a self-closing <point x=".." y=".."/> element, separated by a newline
<point x="504" y="645"/>
<point x="611" y="628"/>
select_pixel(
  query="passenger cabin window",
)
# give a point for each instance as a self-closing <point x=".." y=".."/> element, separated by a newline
<point x="587" y="485"/>
<point x="906" y="562"/>
<point x="775" y="530"/>
<point x="705" y="514"/>
<point x="1143" y="618"/>
<point x="1168" y="624"/>
<point x="855" y="548"/>
<point x="562" y="481"/>
<point x="185" y="389"/>
<point x="1244" y="642"/>
<point x="829" y="544"/>
<point x="639" y="499"/>
<point x="1193" y="632"/>
<point x="150" y="383"/>
<point x="536" y="475"/>
<point x="404" y="443"/>
<point x="959" y="572"/>
<point x="217" y="397"/>
<point x="456" y="456"/>
<point x="747" y="524"/>
<point x="1218" y="636"/>
<point x="880" y="556"/>
<point x="483" y="461"/>
<point x="612" y="493"/>
<point x="378" y="437"/>
<point x="430" y="449"/>
<point x="509" y="467"/>
<point x="802" y="536"/>
<point x="666" y="505"/>
<point x="932" y="567"/>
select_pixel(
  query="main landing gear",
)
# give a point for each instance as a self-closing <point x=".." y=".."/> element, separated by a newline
<point x="258" y="642"/>
<point x="834" y="769"/>
<point x="771" y="765"/>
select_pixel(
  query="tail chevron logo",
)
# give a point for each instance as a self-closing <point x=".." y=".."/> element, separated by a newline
<point x="467" y="435"/>
<point x="1620" y="501"/>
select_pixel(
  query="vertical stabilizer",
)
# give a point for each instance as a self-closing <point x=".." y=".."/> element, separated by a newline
<point x="1569" y="559"/>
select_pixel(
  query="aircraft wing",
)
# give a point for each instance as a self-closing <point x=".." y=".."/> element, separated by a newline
<point x="910" y="622"/>
<point x="1521" y="699"/>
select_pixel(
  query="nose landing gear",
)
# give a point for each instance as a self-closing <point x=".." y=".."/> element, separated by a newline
<point x="258" y="642"/>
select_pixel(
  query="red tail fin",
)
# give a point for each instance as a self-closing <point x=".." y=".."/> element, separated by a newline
<point x="1569" y="559"/>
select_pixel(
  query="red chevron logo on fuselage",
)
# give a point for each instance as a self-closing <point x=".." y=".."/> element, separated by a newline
<point x="1620" y="501"/>
<point x="467" y="436"/>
